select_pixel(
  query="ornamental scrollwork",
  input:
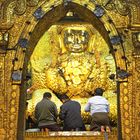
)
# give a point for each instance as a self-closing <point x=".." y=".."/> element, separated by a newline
<point x="11" y="7"/>
<point x="20" y="7"/>
<point x="101" y="2"/>
<point x="32" y="2"/>
<point x="121" y="6"/>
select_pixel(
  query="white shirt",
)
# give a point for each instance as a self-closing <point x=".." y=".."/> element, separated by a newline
<point x="97" y="104"/>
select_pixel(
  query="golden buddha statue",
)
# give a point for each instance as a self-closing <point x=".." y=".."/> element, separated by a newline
<point x="75" y="72"/>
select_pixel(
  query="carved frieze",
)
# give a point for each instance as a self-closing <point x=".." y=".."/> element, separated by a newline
<point x="11" y="7"/>
<point x="120" y="6"/>
<point x="32" y="2"/>
<point x="135" y="13"/>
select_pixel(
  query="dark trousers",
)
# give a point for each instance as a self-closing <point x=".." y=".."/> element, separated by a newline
<point x="51" y="127"/>
<point x="99" y="119"/>
<point x="82" y="128"/>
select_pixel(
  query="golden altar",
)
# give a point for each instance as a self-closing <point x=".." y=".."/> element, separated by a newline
<point x="25" y="25"/>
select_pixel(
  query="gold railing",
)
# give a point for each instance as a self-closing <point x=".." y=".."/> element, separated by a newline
<point x="71" y="135"/>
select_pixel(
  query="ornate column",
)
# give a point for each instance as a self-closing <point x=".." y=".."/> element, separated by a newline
<point x="3" y="110"/>
<point x="136" y="86"/>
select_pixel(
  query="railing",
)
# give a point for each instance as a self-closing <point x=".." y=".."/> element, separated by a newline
<point x="71" y="135"/>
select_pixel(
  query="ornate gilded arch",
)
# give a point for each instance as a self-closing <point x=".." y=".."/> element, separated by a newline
<point x="20" y="50"/>
<point x="38" y="24"/>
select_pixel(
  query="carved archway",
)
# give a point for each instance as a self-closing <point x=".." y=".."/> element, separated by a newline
<point x="36" y="26"/>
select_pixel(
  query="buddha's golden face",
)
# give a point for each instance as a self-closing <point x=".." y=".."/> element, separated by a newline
<point x="76" y="40"/>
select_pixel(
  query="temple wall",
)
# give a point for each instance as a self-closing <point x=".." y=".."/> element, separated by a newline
<point x="20" y="24"/>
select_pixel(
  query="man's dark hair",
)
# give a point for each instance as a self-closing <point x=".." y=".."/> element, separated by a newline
<point x="99" y="91"/>
<point x="47" y="95"/>
<point x="64" y="97"/>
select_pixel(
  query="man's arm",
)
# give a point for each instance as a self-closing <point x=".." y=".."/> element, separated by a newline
<point x="108" y="108"/>
<point x="87" y="107"/>
<point x="55" y="111"/>
<point x="36" y="113"/>
<point x="62" y="113"/>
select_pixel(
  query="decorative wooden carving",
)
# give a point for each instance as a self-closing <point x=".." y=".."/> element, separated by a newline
<point x="9" y="94"/>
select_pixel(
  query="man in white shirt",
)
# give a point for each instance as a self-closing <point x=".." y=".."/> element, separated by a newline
<point x="98" y="106"/>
